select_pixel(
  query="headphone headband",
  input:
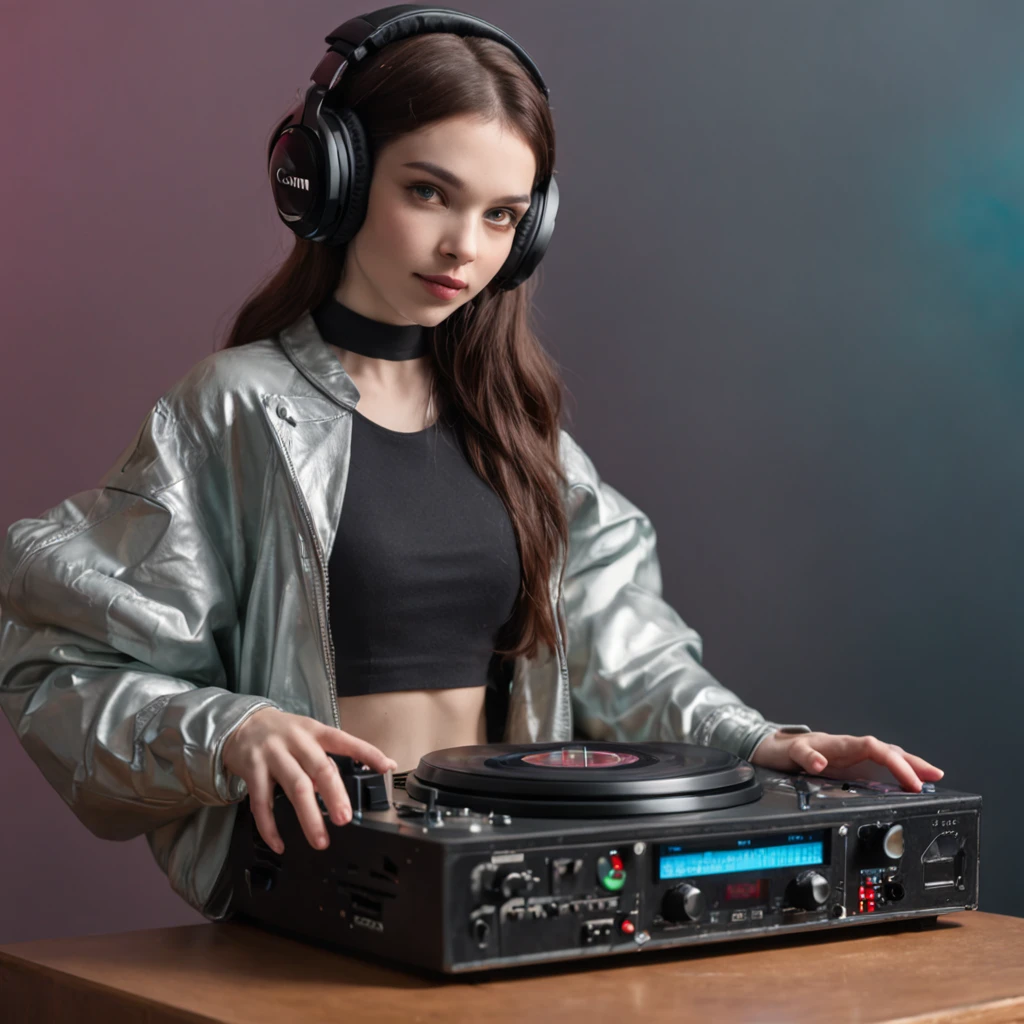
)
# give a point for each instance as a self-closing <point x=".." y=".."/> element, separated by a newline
<point x="319" y="159"/>
<point x="359" y="37"/>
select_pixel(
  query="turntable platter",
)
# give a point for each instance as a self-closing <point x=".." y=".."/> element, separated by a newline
<point x="584" y="779"/>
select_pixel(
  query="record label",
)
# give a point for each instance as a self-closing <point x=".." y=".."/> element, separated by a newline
<point x="579" y="757"/>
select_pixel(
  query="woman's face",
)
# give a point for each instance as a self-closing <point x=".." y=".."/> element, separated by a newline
<point x="419" y="221"/>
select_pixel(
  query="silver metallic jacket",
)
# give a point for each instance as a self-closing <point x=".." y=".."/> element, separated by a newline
<point x="142" y="621"/>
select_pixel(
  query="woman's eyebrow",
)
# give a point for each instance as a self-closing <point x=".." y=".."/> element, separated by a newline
<point x="455" y="181"/>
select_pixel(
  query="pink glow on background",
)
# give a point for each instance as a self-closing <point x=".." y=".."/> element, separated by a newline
<point x="805" y="372"/>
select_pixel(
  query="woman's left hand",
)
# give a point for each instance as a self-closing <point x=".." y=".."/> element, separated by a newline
<point x="816" y="751"/>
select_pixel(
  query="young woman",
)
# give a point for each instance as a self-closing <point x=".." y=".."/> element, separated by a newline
<point x="361" y="512"/>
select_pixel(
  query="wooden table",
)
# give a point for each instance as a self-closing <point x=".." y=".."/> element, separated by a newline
<point x="968" y="968"/>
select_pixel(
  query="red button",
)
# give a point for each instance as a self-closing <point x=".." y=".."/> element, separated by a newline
<point x="628" y="927"/>
<point x="616" y="861"/>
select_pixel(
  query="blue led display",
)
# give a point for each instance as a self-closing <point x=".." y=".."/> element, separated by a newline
<point x="739" y="858"/>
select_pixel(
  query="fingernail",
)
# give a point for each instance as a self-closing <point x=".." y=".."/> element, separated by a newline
<point x="321" y="842"/>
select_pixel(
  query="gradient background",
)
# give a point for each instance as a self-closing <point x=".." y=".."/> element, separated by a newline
<point x="786" y="290"/>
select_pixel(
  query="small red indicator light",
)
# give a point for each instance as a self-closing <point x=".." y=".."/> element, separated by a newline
<point x="628" y="927"/>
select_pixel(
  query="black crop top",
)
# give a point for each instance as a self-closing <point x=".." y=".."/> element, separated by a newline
<point x="424" y="568"/>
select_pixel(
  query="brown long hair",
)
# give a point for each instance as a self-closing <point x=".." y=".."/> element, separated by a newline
<point x="492" y="376"/>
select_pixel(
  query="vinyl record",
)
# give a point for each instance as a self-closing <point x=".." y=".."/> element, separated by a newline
<point x="584" y="779"/>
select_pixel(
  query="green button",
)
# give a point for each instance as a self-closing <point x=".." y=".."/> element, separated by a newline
<point x="609" y="878"/>
<point x="615" y="881"/>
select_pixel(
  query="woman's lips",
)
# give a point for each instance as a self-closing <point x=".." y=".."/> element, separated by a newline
<point x="439" y="291"/>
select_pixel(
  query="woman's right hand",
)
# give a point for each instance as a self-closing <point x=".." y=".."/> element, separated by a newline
<point x="274" y="746"/>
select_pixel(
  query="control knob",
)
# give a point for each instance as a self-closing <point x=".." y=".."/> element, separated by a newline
<point x="517" y="883"/>
<point x="884" y="838"/>
<point x="808" y="891"/>
<point x="683" y="902"/>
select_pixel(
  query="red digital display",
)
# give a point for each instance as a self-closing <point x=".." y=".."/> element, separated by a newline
<point x="756" y="890"/>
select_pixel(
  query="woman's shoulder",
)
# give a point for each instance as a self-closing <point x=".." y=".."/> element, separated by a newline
<point x="213" y="409"/>
<point x="243" y="370"/>
<point x="578" y="467"/>
<point x="228" y="386"/>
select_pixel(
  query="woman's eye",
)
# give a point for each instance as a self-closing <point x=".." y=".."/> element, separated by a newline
<point x="509" y="221"/>
<point x="511" y="218"/>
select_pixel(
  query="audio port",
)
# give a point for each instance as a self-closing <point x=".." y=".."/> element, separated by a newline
<point x="893" y="891"/>
<point x="481" y="931"/>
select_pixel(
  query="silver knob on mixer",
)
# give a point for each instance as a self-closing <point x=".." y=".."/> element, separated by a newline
<point x="684" y="902"/>
<point x="808" y="891"/>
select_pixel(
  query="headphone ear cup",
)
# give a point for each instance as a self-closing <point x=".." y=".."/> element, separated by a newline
<point x="294" y="116"/>
<point x="506" y="276"/>
<point x="531" y="239"/>
<point x="354" y="188"/>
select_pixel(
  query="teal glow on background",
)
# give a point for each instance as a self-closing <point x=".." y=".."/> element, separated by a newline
<point x="786" y="292"/>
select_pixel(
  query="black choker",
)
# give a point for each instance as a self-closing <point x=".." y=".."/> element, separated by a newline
<point x="344" y="327"/>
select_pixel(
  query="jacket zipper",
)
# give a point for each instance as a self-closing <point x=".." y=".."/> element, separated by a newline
<point x="326" y="644"/>
<point x="563" y="666"/>
<point x="563" y="672"/>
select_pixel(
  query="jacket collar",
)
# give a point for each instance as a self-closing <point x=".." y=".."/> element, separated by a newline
<point x="317" y="362"/>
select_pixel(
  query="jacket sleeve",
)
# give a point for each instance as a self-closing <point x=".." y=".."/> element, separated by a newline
<point x="635" y="669"/>
<point x="118" y="624"/>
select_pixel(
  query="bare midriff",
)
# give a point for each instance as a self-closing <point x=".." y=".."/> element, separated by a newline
<point x="406" y="724"/>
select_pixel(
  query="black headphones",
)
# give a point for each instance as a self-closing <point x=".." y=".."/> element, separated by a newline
<point x="319" y="160"/>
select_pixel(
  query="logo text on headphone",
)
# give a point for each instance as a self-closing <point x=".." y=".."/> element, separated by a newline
<point x="289" y="179"/>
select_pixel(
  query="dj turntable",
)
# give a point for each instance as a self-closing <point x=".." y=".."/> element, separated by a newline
<point x="492" y="856"/>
